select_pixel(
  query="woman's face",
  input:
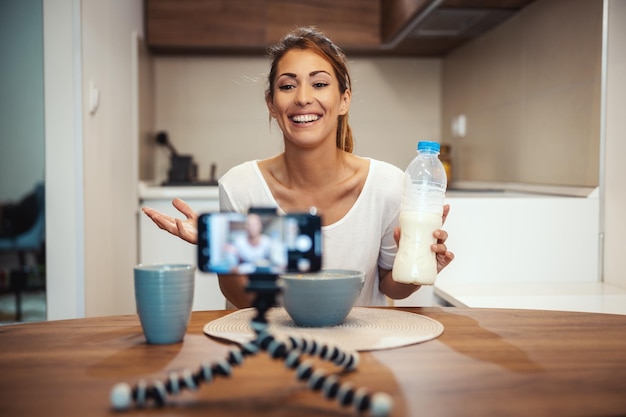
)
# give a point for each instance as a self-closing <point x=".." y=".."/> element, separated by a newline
<point x="307" y="100"/>
<point x="254" y="225"/>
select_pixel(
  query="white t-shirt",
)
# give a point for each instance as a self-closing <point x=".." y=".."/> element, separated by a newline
<point x="362" y="240"/>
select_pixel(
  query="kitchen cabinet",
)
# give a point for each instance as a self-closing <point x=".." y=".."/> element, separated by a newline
<point x="158" y="246"/>
<point x="432" y="28"/>
<point x="244" y="26"/>
<point x="527" y="241"/>
<point x="426" y="28"/>
<point x="512" y="250"/>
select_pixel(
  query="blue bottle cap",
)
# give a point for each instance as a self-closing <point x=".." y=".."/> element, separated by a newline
<point x="425" y="145"/>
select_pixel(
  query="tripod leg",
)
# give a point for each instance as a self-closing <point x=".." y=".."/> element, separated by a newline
<point x="376" y="404"/>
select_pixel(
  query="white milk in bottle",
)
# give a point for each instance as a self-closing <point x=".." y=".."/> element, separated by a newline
<point x="421" y="214"/>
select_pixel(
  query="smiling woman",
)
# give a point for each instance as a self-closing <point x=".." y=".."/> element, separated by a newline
<point x="311" y="40"/>
<point x="309" y="103"/>
<point x="309" y="87"/>
<point x="309" y="95"/>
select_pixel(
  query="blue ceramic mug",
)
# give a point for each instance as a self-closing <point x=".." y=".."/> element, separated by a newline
<point x="164" y="297"/>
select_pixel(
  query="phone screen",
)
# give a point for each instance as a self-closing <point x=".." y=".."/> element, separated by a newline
<point x="260" y="242"/>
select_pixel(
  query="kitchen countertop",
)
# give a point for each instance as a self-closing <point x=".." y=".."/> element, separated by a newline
<point x="519" y="189"/>
<point x="154" y="191"/>
<point x="592" y="297"/>
<point x="455" y="193"/>
<point x="471" y="189"/>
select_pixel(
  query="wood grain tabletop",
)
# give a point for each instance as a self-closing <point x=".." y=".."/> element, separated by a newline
<point x="487" y="362"/>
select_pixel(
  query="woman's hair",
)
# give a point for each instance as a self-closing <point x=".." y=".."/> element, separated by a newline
<point x="310" y="38"/>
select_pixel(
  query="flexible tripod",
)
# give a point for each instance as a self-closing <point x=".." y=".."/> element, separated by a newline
<point x="291" y="352"/>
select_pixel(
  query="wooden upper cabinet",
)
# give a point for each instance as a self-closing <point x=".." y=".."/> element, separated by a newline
<point x="204" y="24"/>
<point x="252" y="25"/>
<point x="397" y="14"/>
<point x="378" y="27"/>
<point x="349" y="23"/>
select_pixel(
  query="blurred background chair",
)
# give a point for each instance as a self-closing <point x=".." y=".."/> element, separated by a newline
<point x="23" y="235"/>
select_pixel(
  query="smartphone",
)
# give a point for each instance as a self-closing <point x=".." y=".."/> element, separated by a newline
<point x="260" y="242"/>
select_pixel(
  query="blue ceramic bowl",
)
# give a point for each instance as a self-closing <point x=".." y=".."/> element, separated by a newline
<point x="321" y="299"/>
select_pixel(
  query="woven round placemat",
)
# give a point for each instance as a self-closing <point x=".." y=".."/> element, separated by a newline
<point x="364" y="328"/>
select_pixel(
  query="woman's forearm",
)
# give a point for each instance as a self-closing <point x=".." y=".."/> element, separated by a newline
<point x="392" y="289"/>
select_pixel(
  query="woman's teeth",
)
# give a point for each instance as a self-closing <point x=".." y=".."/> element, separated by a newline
<point x="305" y="118"/>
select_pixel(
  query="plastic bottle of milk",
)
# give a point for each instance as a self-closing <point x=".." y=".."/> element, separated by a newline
<point x="420" y="215"/>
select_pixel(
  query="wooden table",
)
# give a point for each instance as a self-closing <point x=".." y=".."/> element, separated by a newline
<point x="488" y="362"/>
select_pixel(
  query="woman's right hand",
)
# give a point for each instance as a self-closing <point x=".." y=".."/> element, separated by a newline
<point x="186" y="229"/>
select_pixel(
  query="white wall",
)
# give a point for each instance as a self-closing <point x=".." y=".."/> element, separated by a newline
<point x="64" y="176"/>
<point x="90" y="166"/>
<point x="110" y="162"/>
<point x="530" y="93"/>
<point x="214" y="109"/>
<point x="396" y="103"/>
<point x="615" y="166"/>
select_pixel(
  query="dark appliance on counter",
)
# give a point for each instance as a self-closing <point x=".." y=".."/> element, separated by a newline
<point x="183" y="171"/>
